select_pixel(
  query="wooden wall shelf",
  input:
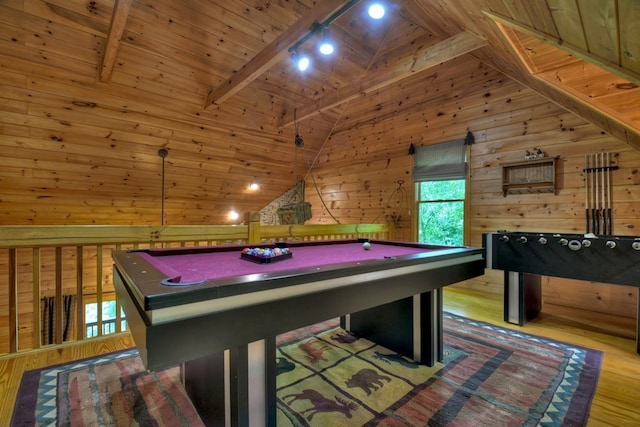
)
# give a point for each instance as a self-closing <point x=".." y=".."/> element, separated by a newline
<point x="529" y="176"/>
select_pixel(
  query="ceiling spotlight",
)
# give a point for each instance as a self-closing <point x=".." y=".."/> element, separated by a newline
<point x="376" y="11"/>
<point x="254" y="186"/>
<point x="302" y="61"/>
<point x="233" y="215"/>
<point x="326" y="45"/>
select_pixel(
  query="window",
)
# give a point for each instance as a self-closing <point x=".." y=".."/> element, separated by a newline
<point x="441" y="212"/>
<point x="108" y="318"/>
<point x="440" y="173"/>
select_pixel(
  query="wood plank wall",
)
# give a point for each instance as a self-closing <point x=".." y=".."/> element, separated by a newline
<point x="357" y="171"/>
<point x="77" y="150"/>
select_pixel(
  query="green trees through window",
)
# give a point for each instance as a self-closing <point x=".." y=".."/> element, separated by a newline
<point x="441" y="212"/>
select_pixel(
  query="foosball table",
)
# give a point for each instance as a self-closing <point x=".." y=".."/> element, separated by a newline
<point x="525" y="257"/>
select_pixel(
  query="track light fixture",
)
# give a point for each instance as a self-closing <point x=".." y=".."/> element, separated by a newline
<point x="326" y="45"/>
<point x="376" y="10"/>
<point x="302" y="61"/>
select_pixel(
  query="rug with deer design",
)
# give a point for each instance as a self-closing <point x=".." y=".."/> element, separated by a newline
<point x="490" y="376"/>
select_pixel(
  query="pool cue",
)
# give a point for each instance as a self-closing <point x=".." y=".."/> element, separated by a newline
<point x="591" y="202"/>
<point x="596" y="216"/>
<point x="609" y="220"/>
<point x="603" y="214"/>
<point x="586" y="192"/>
<point x="599" y="178"/>
<point x="591" y="227"/>
<point x="593" y="197"/>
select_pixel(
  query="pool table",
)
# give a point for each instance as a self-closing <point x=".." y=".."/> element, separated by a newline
<point x="218" y="314"/>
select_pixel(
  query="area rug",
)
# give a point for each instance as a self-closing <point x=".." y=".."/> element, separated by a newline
<point x="491" y="376"/>
<point x="109" y="390"/>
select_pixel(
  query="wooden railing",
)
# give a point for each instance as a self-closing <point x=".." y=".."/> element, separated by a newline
<point x="39" y="263"/>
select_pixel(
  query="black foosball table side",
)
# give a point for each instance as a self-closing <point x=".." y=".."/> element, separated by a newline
<point x="525" y="257"/>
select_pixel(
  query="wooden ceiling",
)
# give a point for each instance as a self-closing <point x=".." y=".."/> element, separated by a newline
<point x="564" y="33"/>
<point x="212" y="80"/>
<point x="587" y="50"/>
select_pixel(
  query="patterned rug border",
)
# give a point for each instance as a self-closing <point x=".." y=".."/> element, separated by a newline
<point x="588" y="383"/>
<point x="27" y="407"/>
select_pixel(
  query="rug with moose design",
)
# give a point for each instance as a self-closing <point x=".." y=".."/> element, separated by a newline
<point x="490" y="376"/>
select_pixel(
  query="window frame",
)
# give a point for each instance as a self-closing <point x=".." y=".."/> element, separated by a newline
<point x="465" y="208"/>
<point x="466" y="176"/>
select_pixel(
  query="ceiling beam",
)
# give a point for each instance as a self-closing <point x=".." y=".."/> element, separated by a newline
<point x="118" y="20"/>
<point x="578" y="103"/>
<point x="609" y="66"/>
<point x="387" y="74"/>
<point x="272" y="54"/>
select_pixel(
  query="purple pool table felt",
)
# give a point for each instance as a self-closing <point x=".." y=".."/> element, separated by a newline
<point x="223" y="264"/>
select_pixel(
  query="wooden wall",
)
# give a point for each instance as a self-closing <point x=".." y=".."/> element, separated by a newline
<point x="77" y="150"/>
<point x="357" y="171"/>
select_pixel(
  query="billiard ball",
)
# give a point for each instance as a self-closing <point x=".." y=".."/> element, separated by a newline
<point x="366" y="246"/>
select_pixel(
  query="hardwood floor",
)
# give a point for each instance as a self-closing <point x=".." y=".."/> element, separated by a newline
<point x="615" y="403"/>
<point x="12" y="367"/>
<point x="616" y="400"/>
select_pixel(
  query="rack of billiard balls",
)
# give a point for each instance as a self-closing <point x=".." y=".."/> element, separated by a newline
<point x="265" y="255"/>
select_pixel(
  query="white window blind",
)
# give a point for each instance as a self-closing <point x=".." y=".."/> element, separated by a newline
<point x="440" y="162"/>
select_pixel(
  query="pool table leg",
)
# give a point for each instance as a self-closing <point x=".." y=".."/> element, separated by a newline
<point x="235" y="388"/>
<point x="411" y="326"/>
<point x="428" y="327"/>
<point x="204" y="381"/>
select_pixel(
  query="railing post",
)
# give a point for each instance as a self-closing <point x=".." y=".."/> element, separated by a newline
<point x="391" y="230"/>
<point x="253" y="221"/>
<point x="58" y="303"/>
<point x="37" y="308"/>
<point x="80" y="330"/>
<point x="13" y="300"/>
<point x="99" y="255"/>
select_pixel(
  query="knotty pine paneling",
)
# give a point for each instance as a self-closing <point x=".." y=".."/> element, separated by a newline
<point x="591" y="296"/>
<point x="71" y="134"/>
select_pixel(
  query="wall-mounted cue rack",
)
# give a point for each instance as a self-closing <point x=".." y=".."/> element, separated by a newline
<point x="597" y="194"/>
<point x="529" y="176"/>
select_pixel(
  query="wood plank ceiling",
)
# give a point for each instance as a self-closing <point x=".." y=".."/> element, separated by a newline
<point x="601" y="32"/>
<point x="212" y="80"/>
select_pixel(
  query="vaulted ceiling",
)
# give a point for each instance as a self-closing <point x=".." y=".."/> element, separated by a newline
<point x="581" y="54"/>
<point x="218" y="73"/>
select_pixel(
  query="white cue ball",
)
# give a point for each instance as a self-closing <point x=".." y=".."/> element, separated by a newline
<point x="366" y="246"/>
